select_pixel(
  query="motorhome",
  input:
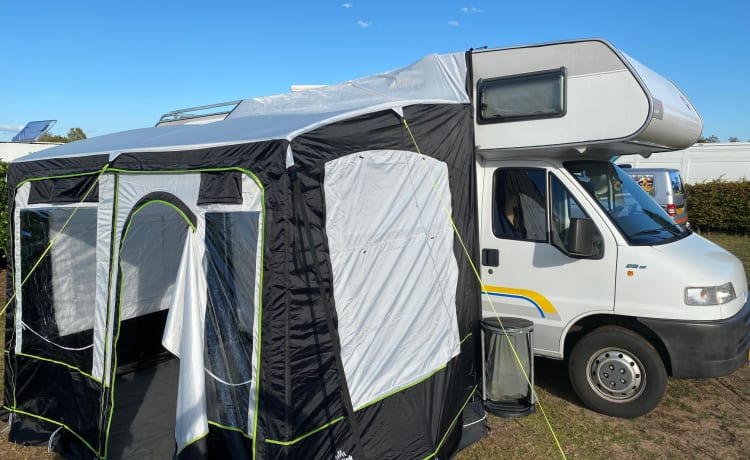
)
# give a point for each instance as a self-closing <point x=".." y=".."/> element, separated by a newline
<point x="311" y="258"/>
<point x="613" y="285"/>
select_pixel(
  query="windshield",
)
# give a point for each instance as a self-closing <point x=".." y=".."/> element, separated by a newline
<point x="640" y="219"/>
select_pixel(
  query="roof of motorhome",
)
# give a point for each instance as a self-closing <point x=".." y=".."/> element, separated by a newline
<point x="433" y="79"/>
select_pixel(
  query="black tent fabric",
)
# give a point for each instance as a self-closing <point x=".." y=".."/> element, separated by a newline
<point x="275" y="383"/>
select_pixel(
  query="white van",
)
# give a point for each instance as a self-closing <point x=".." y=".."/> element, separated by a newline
<point x="666" y="187"/>
<point x="570" y="241"/>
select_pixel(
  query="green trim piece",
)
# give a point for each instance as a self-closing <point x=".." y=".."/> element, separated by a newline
<point x="54" y="422"/>
<point x="468" y="336"/>
<point x="148" y="203"/>
<point x="191" y="442"/>
<point x="64" y="176"/>
<point x="450" y="427"/>
<point x="230" y="428"/>
<point x="296" y="440"/>
<point x="399" y="390"/>
<point x="71" y="367"/>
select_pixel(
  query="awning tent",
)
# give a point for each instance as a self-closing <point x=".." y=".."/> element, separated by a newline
<point x="286" y="282"/>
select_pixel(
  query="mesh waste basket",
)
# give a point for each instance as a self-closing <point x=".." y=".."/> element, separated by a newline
<point x="505" y="389"/>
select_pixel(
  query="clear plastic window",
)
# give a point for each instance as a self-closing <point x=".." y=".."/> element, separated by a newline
<point x="231" y="251"/>
<point x="58" y="309"/>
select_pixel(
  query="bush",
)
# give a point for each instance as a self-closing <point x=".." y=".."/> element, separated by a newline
<point x="719" y="205"/>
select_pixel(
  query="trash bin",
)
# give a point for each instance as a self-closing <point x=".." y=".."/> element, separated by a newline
<point x="505" y="390"/>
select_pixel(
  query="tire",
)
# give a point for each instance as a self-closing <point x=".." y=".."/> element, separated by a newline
<point x="617" y="372"/>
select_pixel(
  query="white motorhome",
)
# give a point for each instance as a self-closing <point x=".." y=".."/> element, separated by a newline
<point x="568" y="240"/>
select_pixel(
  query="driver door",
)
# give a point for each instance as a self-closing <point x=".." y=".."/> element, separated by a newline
<point x="527" y="270"/>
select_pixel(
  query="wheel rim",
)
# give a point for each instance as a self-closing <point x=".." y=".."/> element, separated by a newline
<point x="616" y="375"/>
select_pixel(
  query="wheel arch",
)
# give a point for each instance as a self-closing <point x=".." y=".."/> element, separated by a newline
<point x="589" y="323"/>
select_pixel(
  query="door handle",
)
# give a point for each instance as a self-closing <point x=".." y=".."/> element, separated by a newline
<point x="491" y="257"/>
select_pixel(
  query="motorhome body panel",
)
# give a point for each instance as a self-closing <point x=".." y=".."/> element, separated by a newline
<point x="610" y="100"/>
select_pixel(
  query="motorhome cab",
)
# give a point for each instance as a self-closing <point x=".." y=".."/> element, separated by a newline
<point x="570" y="241"/>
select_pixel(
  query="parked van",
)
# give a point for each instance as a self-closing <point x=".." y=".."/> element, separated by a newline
<point x="613" y="284"/>
<point x="665" y="186"/>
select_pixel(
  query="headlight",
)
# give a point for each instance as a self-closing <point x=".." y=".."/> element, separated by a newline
<point x="713" y="295"/>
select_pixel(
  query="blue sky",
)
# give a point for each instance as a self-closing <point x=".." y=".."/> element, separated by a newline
<point x="111" y="66"/>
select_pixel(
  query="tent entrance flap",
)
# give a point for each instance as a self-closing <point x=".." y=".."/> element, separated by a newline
<point x="145" y="390"/>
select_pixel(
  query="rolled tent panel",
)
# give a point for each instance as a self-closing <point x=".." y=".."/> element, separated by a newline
<point x="184" y="337"/>
<point x="394" y="271"/>
<point x="103" y="269"/>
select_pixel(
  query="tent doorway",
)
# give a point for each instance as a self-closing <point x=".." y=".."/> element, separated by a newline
<point x="146" y="378"/>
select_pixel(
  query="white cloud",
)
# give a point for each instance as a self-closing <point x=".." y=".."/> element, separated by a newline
<point x="453" y="23"/>
<point x="470" y="10"/>
<point x="346" y="5"/>
<point x="10" y="128"/>
<point x="364" y="24"/>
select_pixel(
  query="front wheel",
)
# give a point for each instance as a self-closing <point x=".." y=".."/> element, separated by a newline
<point x="616" y="372"/>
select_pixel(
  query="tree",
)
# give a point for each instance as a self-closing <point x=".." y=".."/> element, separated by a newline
<point x="74" y="134"/>
<point x="712" y="139"/>
<point x="733" y="139"/>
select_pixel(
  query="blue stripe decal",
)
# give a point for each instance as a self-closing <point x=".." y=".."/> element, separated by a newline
<point x="512" y="296"/>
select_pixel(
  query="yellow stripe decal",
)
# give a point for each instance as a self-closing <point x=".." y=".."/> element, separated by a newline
<point x="542" y="304"/>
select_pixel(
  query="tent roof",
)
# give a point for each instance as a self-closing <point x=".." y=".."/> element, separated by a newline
<point x="433" y="79"/>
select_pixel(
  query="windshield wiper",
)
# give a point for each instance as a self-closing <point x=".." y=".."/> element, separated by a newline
<point x="672" y="229"/>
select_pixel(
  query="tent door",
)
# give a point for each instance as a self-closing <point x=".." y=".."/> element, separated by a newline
<point x="146" y="381"/>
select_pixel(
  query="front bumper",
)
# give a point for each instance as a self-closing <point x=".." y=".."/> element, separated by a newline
<point x="705" y="349"/>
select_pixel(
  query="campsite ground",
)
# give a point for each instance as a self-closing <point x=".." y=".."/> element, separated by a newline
<point x="697" y="418"/>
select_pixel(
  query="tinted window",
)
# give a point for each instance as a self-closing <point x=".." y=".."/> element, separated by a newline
<point x="519" y="204"/>
<point x="537" y="95"/>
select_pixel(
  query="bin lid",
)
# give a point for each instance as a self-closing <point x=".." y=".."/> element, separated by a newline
<point x="512" y="325"/>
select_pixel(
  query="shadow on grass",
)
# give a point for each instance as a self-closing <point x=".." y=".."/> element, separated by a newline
<point x="551" y="375"/>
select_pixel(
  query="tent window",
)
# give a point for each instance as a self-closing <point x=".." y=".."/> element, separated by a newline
<point x="65" y="190"/>
<point x="58" y="309"/>
<point x="224" y="187"/>
<point x="231" y="256"/>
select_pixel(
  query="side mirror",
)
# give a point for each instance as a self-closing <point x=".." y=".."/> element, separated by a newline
<point x="581" y="237"/>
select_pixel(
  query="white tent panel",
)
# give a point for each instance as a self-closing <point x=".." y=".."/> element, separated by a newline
<point x="394" y="271"/>
<point x="183" y="336"/>
<point x="103" y="254"/>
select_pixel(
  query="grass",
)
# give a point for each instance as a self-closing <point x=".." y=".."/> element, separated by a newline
<point x="697" y="418"/>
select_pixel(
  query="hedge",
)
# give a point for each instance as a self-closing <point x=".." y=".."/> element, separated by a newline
<point x="719" y="205"/>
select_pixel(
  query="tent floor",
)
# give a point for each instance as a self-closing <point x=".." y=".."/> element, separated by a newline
<point x="143" y="421"/>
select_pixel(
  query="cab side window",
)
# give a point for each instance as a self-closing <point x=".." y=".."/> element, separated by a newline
<point x="565" y="207"/>
<point x="519" y="208"/>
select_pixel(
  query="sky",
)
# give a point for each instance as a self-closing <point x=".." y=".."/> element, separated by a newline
<point x="112" y="66"/>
